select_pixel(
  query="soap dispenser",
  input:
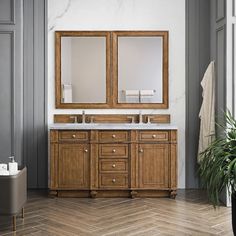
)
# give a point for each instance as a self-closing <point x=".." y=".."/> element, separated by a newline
<point x="13" y="166"/>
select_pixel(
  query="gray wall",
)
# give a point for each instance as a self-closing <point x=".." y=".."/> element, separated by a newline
<point x="218" y="53"/>
<point x="197" y="60"/>
<point x="23" y="116"/>
<point x="35" y="92"/>
<point x="11" y="80"/>
<point x="206" y="41"/>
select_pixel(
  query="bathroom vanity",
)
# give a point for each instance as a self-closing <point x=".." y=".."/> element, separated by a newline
<point x="112" y="155"/>
<point x="113" y="160"/>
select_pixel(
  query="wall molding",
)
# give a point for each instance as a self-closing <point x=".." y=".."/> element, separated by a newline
<point x="222" y="16"/>
<point x="234" y="8"/>
<point x="12" y="20"/>
<point x="220" y="83"/>
<point x="11" y="33"/>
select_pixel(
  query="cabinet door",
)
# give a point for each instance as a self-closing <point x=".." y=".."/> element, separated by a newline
<point x="73" y="166"/>
<point x="153" y="166"/>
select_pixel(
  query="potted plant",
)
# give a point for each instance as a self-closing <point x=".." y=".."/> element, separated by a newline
<point x="218" y="166"/>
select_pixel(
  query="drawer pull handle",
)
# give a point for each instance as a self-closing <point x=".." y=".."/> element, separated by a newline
<point x="114" y="180"/>
<point x="114" y="150"/>
<point x="113" y="136"/>
<point x="86" y="150"/>
<point x="73" y="136"/>
<point x="141" y="150"/>
<point x="154" y="136"/>
<point x="113" y="166"/>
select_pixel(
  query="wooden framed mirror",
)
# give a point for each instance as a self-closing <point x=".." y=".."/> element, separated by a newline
<point x="140" y="69"/>
<point x="83" y="69"/>
<point x="103" y="69"/>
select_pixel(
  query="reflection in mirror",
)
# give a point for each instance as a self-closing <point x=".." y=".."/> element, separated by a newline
<point x="83" y="69"/>
<point x="140" y="69"/>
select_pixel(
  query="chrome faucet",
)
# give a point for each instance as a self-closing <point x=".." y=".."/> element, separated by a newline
<point x="149" y="119"/>
<point x="140" y="118"/>
<point x="83" y="117"/>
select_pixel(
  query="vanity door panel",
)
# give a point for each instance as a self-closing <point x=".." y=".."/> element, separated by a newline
<point x="153" y="166"/>
<point x="73" y="166"/>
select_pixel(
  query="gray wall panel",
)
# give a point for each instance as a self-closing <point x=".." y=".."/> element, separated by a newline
<point x="11" y="82"/>
<point x="218" y="54"/>
<point x="197" y="60"/>
<point x="220" y="9"/>
<point x="40" y="91"/>
<point x="30" y="151"/>
<point x="23" y="121"/>
<point x="6" y="95"/>
<point x="35" y="120"/>
<point x="7" y="11"/>
<point x="220" y="73"/>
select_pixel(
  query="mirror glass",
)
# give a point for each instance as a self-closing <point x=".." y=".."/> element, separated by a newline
<point x="140" y="69"/>
<point x="83" y="69"/>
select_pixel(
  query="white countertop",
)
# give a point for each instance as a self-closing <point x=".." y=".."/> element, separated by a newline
<point x="111" y="126"/>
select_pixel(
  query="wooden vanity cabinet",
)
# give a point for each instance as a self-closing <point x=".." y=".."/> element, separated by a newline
<point x="113" y="163"/>
<point x="73" y="166"/>
<point x="153" y="161"/>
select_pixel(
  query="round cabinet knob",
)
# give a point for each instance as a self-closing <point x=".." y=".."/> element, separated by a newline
<point x="141" y="150"/>
<point x="154" y="136"/>
<point x="113" y="135"/>
<point x="114" y="180"/>
<point x="86" y="150"/>
<point x="114" y="150"/>
<point x="73" y="136"/>
<point x="113" y="166"/>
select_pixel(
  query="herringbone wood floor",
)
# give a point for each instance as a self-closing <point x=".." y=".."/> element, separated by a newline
<point x="189" y="214"/>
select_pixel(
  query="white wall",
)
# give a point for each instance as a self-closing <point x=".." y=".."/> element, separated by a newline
<point x="127" y="15"/>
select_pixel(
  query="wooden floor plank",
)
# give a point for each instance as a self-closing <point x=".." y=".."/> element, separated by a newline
<point x="189" y="214"/>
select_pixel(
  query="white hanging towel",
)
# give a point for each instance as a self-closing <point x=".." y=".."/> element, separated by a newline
<point x="207" y="111"/>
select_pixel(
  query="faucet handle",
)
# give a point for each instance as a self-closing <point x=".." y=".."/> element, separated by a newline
<point x="75" y="118"/>
<point x="149" y="119"/>
<point x="132" y="118"/>
<point x="140" y="117"/>
<point x="91" y="119"/>
<point x="83" y="117"/>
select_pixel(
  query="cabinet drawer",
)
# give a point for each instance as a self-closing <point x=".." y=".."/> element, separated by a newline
<point x="113" y="181"/>
<point x="73" y="135"/>
<point x="113" y="150"/>
<point x="153" y="136"/>
<point x="113" y="165"/>
<point x="113" y="136"/>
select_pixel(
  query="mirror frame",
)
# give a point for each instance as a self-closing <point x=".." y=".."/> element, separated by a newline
<point x="111" y="70"/>
<point x="58" y="95"/>
<point x="165" y="89"/>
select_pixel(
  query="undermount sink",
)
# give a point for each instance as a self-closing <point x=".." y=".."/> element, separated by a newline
<point x="111" y="126"/>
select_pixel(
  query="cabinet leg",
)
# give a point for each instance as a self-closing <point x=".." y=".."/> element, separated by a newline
<point x="53" y="194"/>
<point x="23" y="213"/>
<point x="93" y="194"/>
<point x="14" y="223"/>
<point x="134" y="194"/>
<point x="173" y="194"/>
